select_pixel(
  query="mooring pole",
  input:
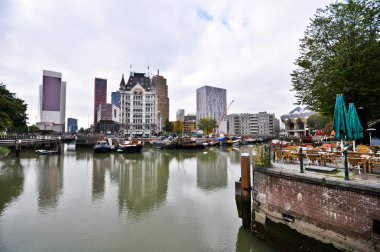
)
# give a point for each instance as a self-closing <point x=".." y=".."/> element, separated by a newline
<point x="18" y="147"/>
<point x="246" y="189"/>
<point x="346" y="177"/>
<point x="301" y="159"/>
<point x="59" y="145"/>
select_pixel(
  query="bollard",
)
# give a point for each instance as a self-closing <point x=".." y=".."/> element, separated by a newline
<point x="246" y="189"/>
<point x="301" y="159"/>
<point x="346" y="177"/>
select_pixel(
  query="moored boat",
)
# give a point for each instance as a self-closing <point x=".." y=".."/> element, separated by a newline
<point x="130" y="146"/>
<point x="102" y="147"/>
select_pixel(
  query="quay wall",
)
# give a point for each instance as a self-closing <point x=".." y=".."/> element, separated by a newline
<point x="343" y="214"/>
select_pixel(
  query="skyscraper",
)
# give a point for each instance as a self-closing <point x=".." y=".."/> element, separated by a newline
<point x="100" y="95"/>
<point x="211" y="103"/>
<point x="52" y="102"/>
<point x="72" y="125"/>
<point x="159" y="82"/>
<point x="115" y="98"/>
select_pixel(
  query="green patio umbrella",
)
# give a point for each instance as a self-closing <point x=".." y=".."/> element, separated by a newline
<point x="341" y="122"/>
<point x="342" y="128"/>
<point x="354" y="123"/>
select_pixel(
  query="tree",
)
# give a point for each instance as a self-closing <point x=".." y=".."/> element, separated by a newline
<point x="317" y="121"/>
<point x="207" y="125"/>
<point x="13" y="115"/>
<point x="33" y="129"/>
<point x="178" y="127"/>
<point x="168" y="126"/>
<point x="340" y="54"/>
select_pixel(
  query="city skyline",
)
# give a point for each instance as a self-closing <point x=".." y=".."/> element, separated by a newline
<point x="246" y="48"/>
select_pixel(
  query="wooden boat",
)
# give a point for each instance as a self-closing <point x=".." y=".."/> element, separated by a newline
<point x="101" y="147"/>
<point x="191" y="144"/>
<point x="130" y="146"/>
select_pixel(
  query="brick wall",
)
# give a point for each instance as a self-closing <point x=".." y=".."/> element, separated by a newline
<point x="329" y="209"/>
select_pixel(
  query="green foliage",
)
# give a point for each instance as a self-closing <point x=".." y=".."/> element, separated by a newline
<point x="207" y="125"/>
<point x="340" y="54"/>
<point x="178" y="127"/>
<point x="13" y="115"/>
<point x="33" y="129"/>
<point x="168" y="126"/>
<point x="261" y="156"/>
<point x="3" y="150"/>
<point x="318" y="121"/>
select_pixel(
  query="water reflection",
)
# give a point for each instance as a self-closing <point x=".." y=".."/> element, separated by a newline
<point x="212" y="170"/>
<point x="143" y="182"/>
<point x="50" y="182"/>
<point x="11" y="182"/>
<point x="100" y="163"/>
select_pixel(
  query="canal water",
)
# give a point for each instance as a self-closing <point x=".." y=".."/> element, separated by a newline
<point x="158" y="200"/>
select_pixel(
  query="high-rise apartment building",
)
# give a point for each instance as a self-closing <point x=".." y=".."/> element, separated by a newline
<point x="100" y="95"/>
<point x="211" y="103"/>
<point x="52" y="102"/>
<point x="180" y="115"/>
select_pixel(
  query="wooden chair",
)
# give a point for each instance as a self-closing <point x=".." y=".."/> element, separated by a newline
<point x="355" y="160"/>
<point x="363" y="149"/>
<point x="328" y="158"/>
<point x="313" y="156"/>
<point x="280" y="155"/>
<point x="374" y="161"/>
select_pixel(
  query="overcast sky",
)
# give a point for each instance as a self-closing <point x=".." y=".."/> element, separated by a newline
<point x="245" y="46"/>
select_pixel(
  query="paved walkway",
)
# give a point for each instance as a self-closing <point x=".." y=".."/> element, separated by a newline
<point x="330" y="170"/>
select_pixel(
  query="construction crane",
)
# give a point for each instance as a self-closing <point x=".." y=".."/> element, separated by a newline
<point x="223" y="116"/>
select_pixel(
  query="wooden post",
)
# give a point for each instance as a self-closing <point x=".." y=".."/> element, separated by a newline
<point x="346" y="176"/>
<point x="301" y="159"/>
<point x="246" y="189"/>
<point x="18" y="147"/>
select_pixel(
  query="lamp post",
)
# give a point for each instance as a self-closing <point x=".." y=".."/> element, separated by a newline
<point x="370" y="137"/>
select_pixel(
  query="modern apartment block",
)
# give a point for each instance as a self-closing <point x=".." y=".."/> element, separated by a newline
<point x="264" y="124"/>
<point x="189" y="124"/>
<point x="72" y="125"/>
<point x="261" y="124"/>
<point x="211" y="103"/>
<point x="238" y="124"/>
<point x="52" y="103"/>
<point x="180" y="115"/>
<point x="139" y="115"/>
<point x="100" y="95"/>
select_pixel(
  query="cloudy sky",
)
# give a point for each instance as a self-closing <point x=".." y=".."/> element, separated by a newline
<point x="245" y="46"/>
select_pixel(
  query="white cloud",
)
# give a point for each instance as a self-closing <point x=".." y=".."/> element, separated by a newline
<point x="247" y="47"/>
